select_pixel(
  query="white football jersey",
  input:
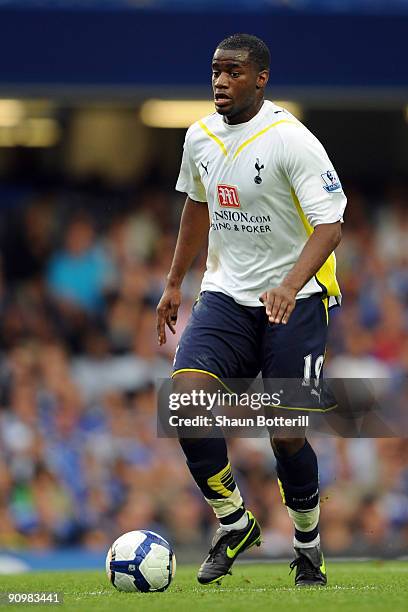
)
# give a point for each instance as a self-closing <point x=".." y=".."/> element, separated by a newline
<point x="268" y="182"/>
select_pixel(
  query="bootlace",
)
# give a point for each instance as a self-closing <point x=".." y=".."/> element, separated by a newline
<point x="218" y="548"/>
<point x="304" y="566"/>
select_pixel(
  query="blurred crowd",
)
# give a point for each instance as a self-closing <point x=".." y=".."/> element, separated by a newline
<point x="80" y="462"/>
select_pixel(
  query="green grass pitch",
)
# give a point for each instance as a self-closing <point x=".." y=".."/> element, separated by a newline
<point x="353" y="586"/>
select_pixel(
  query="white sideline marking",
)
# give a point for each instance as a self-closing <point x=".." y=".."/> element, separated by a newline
<point x="333" y="587"/>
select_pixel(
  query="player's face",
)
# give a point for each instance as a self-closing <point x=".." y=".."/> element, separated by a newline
<point x="237" y="84"/>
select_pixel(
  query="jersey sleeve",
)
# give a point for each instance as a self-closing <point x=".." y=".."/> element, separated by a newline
<point x="189" y="180"/>
<point x="312" y="176"/>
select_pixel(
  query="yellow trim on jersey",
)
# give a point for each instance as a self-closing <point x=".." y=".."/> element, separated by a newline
<point x="220" y="481"/>
<point x="326" y="307"/>
<point x="244" y="144"/>
<point x="282" y="492"/>
<point x="255" y="136"/>
<point x="202" y="372"/>
<point x="326" y="276"/>
<point x="214" y="137"/>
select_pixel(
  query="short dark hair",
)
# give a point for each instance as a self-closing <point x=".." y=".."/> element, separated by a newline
<point x="259" y="53"/>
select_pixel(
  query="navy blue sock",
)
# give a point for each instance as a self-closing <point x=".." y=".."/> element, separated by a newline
<point x="298" y="480"/>
<point x="207" y="460"/>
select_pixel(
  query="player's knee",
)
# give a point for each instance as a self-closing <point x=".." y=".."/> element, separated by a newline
<point x="192" y="383"/>
<point x="191" y="389"/>
<point x="287" y="446"/>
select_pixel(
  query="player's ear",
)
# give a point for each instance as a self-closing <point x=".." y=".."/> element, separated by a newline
<point x="262" y="79"/>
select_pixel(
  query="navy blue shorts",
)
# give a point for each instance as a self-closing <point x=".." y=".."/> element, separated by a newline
<point x="229" y="340"/>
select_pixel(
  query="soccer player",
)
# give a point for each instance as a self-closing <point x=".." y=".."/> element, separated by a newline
<point x="264" y="191"/>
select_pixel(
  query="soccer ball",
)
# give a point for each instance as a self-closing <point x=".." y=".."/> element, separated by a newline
<point x="140" y="561"/>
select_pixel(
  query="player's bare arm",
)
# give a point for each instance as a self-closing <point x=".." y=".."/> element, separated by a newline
<point x="192" y="235"/>
<point x="280" y="301"/>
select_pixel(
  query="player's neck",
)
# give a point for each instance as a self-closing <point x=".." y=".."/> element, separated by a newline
<point x="245" y="115"/>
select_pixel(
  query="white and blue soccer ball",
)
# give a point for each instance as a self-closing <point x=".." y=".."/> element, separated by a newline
<point x="140" y="561"/>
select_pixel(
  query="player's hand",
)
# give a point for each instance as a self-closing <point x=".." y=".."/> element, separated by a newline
<point x="167" y="310"/>
<point x="279" y="303"/>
